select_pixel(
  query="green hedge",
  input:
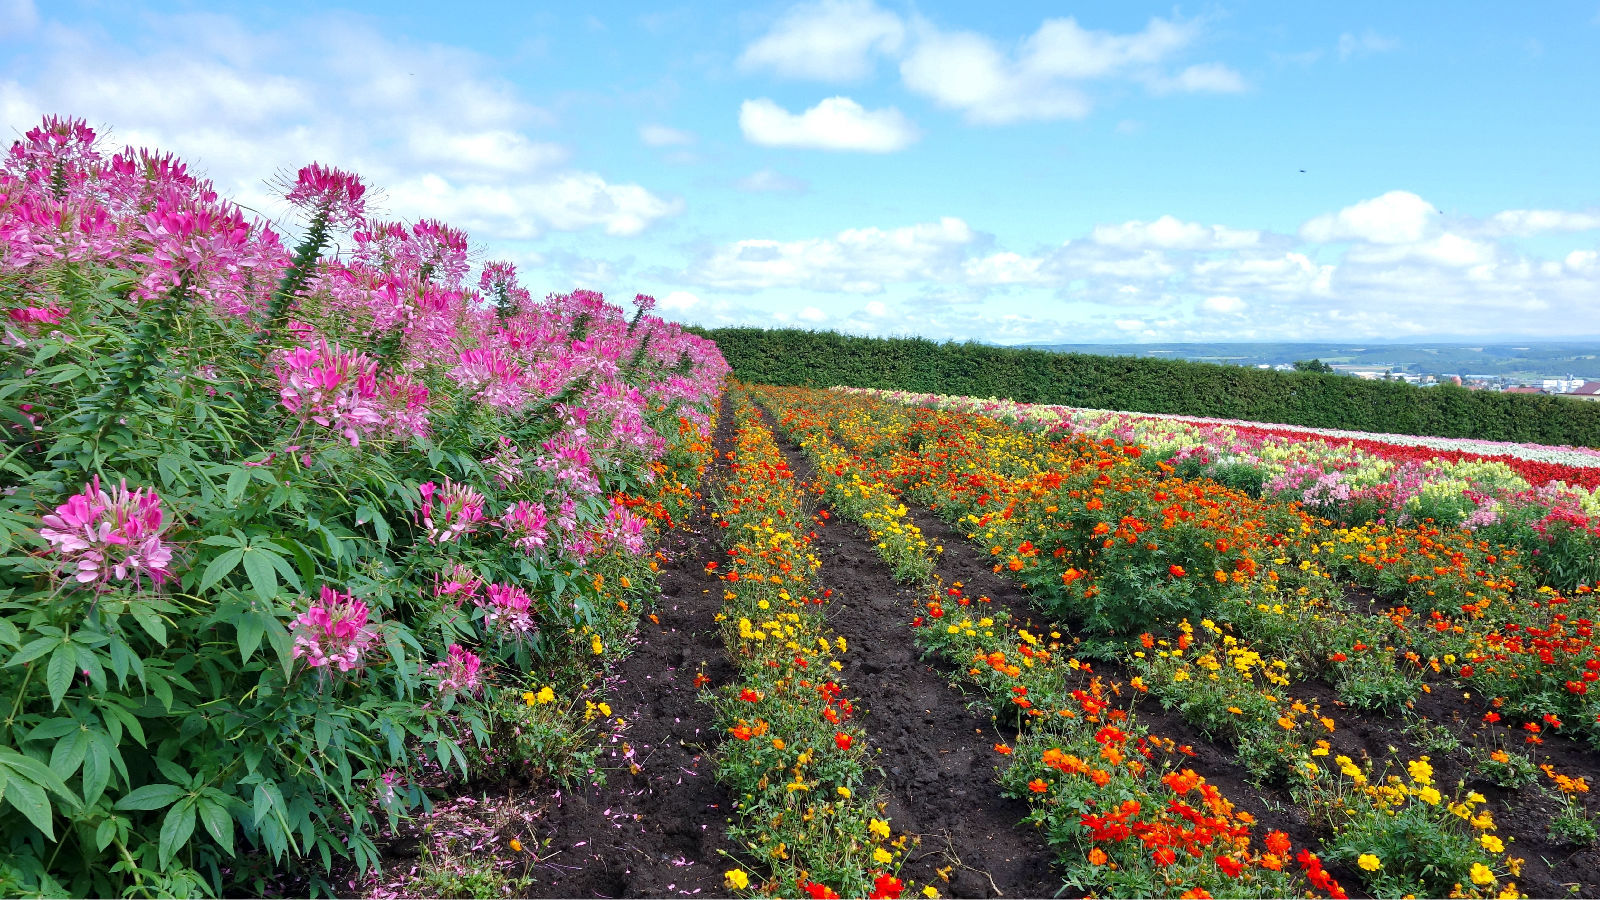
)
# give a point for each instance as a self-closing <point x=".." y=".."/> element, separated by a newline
<point x="826" y="358"/>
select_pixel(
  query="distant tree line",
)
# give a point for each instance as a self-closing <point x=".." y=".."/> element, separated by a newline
<point x="1310" y="398"/>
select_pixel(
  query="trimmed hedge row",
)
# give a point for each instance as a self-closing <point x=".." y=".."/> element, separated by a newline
<point x="826" y="358"/>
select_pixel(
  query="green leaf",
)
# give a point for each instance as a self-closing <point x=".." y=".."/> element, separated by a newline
<point x="96" y="767"/>
<point x="69" y="753"/>
<point x="263" y="575"/>
<point x="175" y="829"/>
<point x="250" y="628"/>
<point x="151" y="623"/>
<point x="63" y="665"/>
<point x="217" y="821"/>
<point x="35" y="649"/>
<point x="30" y="800"/>
<point x="151" y="796"/>
<point x="219" y="568"/>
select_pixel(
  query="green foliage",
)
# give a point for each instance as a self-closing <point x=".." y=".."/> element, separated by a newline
<point x="165" y="740"/>
<point x="1313" y="399"/>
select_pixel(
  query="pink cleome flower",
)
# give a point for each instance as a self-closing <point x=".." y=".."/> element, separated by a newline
<point x="451" y="511"/>
<point x="458" y="671"/>
<point x="320" y="189"/>
<point x="332" y="387"/>
<point x="508" y="610"/>
<point x="334" y="631"/>
<point x="526" y="525"/>
<point x="104" y="535"/>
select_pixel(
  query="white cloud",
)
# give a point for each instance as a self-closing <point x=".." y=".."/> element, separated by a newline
<point x="767" y="181"/>
<point x="1042" y="78"/>
<point x="1169" y="233"/>
<point x="857" y="260"/>
<point x="662" y="136"/>
<point x="679" y="302"/>
<point x="1004" y="268"/>
<point x="1527" y="222"/>
<point x="811" y="314"/>
<point x="1398" y="217"/>
<point x="837" y="123"/>
<point x="239" y="105"/>
<point x="493" y="150"/>
<point x="832" y="41"/>
<point x="1204" y="78"/>
<point x="1223" y="305"/>
<point x="877" y="309"/>
<point x="1367" y="42"/>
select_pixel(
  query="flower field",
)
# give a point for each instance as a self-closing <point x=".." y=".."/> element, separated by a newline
<point x="335" y="562"/>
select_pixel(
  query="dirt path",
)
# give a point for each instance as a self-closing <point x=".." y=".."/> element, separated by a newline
<point x="661" y="832"/>
<point x="936" y="756"/>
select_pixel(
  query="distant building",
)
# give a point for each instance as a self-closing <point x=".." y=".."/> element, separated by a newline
<point x="1562" y="385"/>
<point x="1589" y="390"/>
<point x="1524" y="389"/>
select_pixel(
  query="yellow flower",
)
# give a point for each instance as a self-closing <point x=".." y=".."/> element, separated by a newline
<point x="545" y="695"/>
<point x="1492" y="843"/>
<point x="516" y="845"/>
<point x="605" y="709"/>
<point x="930" y="891"/>
<point x="736" y="879"/>
<point x="595" y="645"/>
<point x="1421" y="772"/>
<point x="882" y="856"/>
<point x="879" y="829"/>
<point x="1481" y="875"/>
<point x="1429" y="796"/>
<point x="1369" y="862"/>
<point x="844" y="792"/>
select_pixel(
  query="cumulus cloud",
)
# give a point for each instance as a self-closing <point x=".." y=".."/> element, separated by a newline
<point x="833" y="41"/>
<point x="857" y="260"/>
<point x="662" y="136"/>
<point x="837" y="123"/>
<point x="239" y="105"/>
<point x="1397" y="217"/>
<point x="1043" y="77"/>
<point x="1169" y="233"/>
<point x="1223" y="305"/>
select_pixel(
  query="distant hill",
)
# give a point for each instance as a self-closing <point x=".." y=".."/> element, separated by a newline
<point x="1525" y="360"/>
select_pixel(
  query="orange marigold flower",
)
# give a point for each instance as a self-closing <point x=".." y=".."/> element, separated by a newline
<point x="1002" y="749"/>
<point x="1278" y="843"/>
<point x="1038" y="785"/>
<point x="1097" y="857"/>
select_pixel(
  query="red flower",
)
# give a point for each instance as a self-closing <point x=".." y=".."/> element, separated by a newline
<point x="886" y="887"/>
<point x="1338" y="657"/>
<point x="1176" y="571"/>
<point x="1038" y="785"/>
<point x="1164" y="856"/>
<point x="816" y="891"/>
<point x="1230" y="867"/>
<point x="749" y="696"/>
<point x="843" y="740"/>
<point x="743" y="732"/>
<point x="1491" y="717"/>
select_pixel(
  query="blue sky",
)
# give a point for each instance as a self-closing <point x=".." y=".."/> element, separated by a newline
<point x="1042" y="172"/>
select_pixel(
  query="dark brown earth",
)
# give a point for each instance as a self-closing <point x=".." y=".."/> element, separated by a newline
<point x="934" y="757"/>
<point x="662" y="832"/>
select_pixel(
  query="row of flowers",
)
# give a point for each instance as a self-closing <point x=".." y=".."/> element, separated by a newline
<point x="1081" y="759"/>
<point x="287" y="533"/>
<point x="1540" y="498"/>
<point x="794" y="756"/>
<point x="1233" y="691"/>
